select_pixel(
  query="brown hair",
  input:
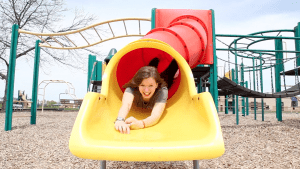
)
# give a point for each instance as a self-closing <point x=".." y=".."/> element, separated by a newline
<point x="144" y="73"/>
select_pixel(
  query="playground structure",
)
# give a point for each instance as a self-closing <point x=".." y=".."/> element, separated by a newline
<point x="202" y="52"/>
<point x="208" y="78"/>
<point x="21" y="102"/>
<point x="96" y="69"/>
<point x="262" y="61"/>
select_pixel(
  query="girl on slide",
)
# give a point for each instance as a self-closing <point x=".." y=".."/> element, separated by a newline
<point x="146" y="90"/>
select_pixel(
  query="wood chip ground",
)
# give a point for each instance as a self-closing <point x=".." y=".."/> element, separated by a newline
<point x="251" y="144"/>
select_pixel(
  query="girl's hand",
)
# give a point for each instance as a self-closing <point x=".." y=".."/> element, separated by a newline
<point x="122" y="127"/>
<point x="134" y="123"/>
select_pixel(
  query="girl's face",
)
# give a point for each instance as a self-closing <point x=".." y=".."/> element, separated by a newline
<point x="147" y="88"/>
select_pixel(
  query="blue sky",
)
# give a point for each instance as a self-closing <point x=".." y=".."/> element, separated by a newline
<point x="231" y="17"/>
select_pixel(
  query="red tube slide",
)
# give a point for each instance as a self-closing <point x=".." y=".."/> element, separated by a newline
<point x="189" y="32"/>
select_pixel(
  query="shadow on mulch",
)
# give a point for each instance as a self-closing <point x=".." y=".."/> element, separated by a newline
<point x="292" y="123"/>
<point x="152" y="165"/>
<point x="30" y="125"/>
<point x="22" y="127"/>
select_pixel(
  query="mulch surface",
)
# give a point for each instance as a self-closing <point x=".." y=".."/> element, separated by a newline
<point x="251" y="144"/>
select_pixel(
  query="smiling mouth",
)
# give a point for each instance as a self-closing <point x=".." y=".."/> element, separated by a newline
<point x="147" y="94"/>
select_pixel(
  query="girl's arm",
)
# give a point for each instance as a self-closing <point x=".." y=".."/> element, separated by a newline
<point x="126" y="104"/>
<point x="123" y="112"/>
<point x="158" y="108"/>
<point x="156" y="113"/>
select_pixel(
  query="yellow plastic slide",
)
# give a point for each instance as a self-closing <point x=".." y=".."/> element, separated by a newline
<point x="189" y="128"/>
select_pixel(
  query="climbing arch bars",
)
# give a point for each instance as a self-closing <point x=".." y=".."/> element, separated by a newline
<point x="82" y="35"/>
<point x="55" y="38"/>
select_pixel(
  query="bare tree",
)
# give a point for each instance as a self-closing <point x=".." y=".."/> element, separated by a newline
<point x="37" y="16"/>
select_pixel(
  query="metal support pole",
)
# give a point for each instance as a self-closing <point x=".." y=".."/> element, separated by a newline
<point x="226" y="104"/>
<point x="237" y="82"/>
<point x="35" y="82"/>
<point x="247" y="102"/>
<point x="278" y="69"/>
<point x="199" y="86"/>
<point x="153" y="15"/>
<point x="254" y="88"/>
<point x="233" y="97"/>
<point x="103" y="164"/>
<point x="196" y="164"/>
<point x="243" y="84"/>
<point x="297" y="43"/>
<point x="213" y="68"/>
<point x="262" y="90"/>
<point x="11" y="78"/>
<point x="92" y="60"/>
<point x="99" y="71"/>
